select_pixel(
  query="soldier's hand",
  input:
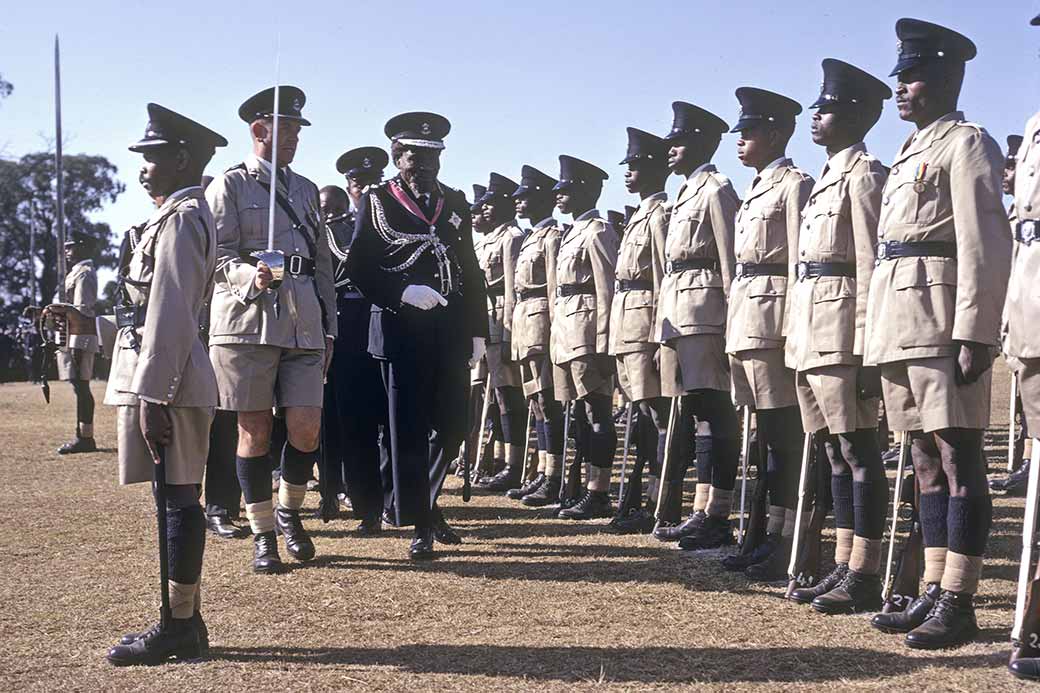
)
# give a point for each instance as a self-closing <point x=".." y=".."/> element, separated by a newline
<point x="264" y="277"/>
<point x="479" y="349"/>
<point x="328" y="355"/>
<point x="657" y="359"/>
<point x="422" y="297"/>
<point x="973" y="360"/>
<point x="156" y="426"/>
<point x="868" y="382"/>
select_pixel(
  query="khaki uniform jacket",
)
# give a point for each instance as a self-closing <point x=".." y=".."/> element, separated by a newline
<point x="945" y="185"/>
<point x="81" y="288"/>
<point x="495" y="254"/>
<point x="239" y="313"/>
<point x="1023" y="298"/>
<point x="701" y="226"/>
<point x="169" y="275"/>
<point x="640" y="257"/>
<point x="839" y="224"/>
<point x="535" y="270"/>
<point x="767" y="227"/>
<point x="581" y="323"/>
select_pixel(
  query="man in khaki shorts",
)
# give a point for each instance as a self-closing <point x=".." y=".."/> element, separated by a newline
<point x="270" y="345"/>
<point x="76" y="360"/>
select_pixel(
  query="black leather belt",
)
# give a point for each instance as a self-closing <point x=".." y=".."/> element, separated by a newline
<point x="497" y="289"/>
<point x="891" y="250"/>
<point x="761" y="269"/>
<point x="633" y="285"/>
<point x="564" y="290"/>
<point x="808" y="270"/>
<point x="295" y="265"/>
<point x="676" y="266"/>
<point x="1027" y="231"/>
<point x="528" y="294"/>
<point x="130" y="316"/>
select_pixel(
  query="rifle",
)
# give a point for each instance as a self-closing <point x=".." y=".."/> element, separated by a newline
<point x="1012" y="457"/>
<point x="803" y="481"/>
<point x="1026" y="633"/>
<point x="905" y="586"/>
<point x="624" y="452"/>
<point x="807" y="571"/>
<point x="567" y="407"/>
<point x="481" y="442"/>
<point x="673" y="416"/>
<point x="527" y="445"/>
<point x="745" y="458"/>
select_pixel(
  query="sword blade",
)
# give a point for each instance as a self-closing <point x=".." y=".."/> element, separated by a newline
<point x="59" y="187"/>
<point x="274" y="144"/>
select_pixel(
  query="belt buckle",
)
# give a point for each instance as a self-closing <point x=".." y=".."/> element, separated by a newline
<point x="559" y="292"/>
<point x="882" y="250"/>
<point x="618" y="284"/>
<point x="1027" y="231"/>
<point x="295" y="265"/>
<point x="669" y="267"/>
<point x="803" y="270"/>
<point x="739" y="269"/>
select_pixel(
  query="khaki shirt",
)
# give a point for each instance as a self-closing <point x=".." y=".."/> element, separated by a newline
<point x="493" y="255"/>
<point x="535" y="271"/>
<point x="701" y="226"/>
<point x="767" y="227"/>
<point x="1023" y="297"/>
<point x="169" y="275"/>
<point x="81" y="289"/>
<point x="581" y="323"/>
<point x="839" y="224"/>
<point x="945" y="185"/>
<point x="640" y="258"/>
<point x="239" y="313"/>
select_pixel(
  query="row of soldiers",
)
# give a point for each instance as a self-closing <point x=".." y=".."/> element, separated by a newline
<point x="803" y="302"/>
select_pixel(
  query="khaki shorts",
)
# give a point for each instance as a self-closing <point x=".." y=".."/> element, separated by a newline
<point x="254" y="377"/>
<point x="637" y="376"/>
<point x="536" y="371"/>
<point x="828" y="399"/>
<point x="583" y="376"/>
<point x="503" y="373"/>
<point x="75" y="364"/>
<point x="1028" y="371"/>
<point x="923" y="395"/>
<point x="761" y="380"/>
<point x="694" y="362"/>
<point x="185" y="455"/>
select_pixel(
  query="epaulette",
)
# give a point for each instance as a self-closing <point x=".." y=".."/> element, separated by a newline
<point x="975" y="126"/>
<point x="241" y="166"/>
<point x="720" y="178"/>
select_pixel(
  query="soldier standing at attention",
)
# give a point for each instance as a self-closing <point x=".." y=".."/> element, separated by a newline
<point x="534" y="286"/>
<point x="161" y="380"/>
<point x="76" y="360"/>
<point x="766" y="250"/>
<point x="271" y="343"/>
<point x="933" y="322"/>
<point x="690" y="325"/>
<point x="584" y="371"/>
<point x="637" y="284"/>
<point x="838" y="397"/>
<point x="497" y="256"/>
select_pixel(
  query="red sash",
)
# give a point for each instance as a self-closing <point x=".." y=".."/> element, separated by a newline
<point x="408" y="203"/>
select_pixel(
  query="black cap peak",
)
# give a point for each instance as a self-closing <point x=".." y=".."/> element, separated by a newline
<point x="845" y="83"/>
<point x="645" y="146"/>
<point x="261" y="105"/>
<point x="362" y="161"/>
<point x="534" y="182"/>
<point x="758" y="106"/>
<point x="575" y="172"/>
<point x="691" y="121"/>
<point x="922" y="42"/>
<point x="169" y="127"/>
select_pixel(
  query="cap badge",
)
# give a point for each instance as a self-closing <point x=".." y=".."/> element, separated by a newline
<point x="425" y="128"/>
<point x="899" y="46"/>
<point x="366" y="162"/>
<point x="296" y="105"/>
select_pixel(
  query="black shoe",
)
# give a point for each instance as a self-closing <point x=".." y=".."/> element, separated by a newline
<point x="1014" y="483"/>
<point x="687" y="528"/>
<point x="857" y="592"/>
<point x="950" y="623"/>
<point x="805" y="595"/>
<point x="528" y="488"/>
<point x="739" y="562"/>
<point x="715" y="533"/>
<point x="222" y="526"/>
<point x="297" y="542"/>
<point x="422" y="545"/>
<point x="634" y="521"/>
<point x="265" y="554"/>
<point x="891" y="458"/>
<point x="442" y="531"/>
<point x="1025" y="663"/>
<point x="911" y="617"/>
<point x="179" y="640"/>
<point x="547" y="494"/>
<point x="200" y="625"/>
<point x="78" y="445"/>
<point x="503" y="481"/>
<point x="774" y="568"/>
<point x="370" y="526"/>
<point x="388" y="519"/>
<point x="590" y="506"/>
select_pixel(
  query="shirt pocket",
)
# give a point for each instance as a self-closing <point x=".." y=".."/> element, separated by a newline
<point x="232" y="317"/>
<point x="638" y="316"/>
<point x="767" y="223"/>
<point x="579" y="322"/>
<point x="634" y="259"/>
<point x="764" y="317"/>
<point x="534" y="326"/>
<point x="700" y="300"/>
<point x="833" y="327"/>
<point x="926" y="288"/>
<point x="919" y="199"/>
<point x="252" y="225"/>
<point x="828" y="223"/>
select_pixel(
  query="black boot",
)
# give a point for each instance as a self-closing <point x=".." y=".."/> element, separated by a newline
<point x="857" y="592"/>
<point x="805" y="595"/>
<point x="265" y="554"/>
<point x="590" y="506"/>
<point x="911" y="617"/>
<point x="773" y="568"/>
<point x="200" y="625"/>
<point x="715" y="533"/>
<point x="633" y="521"/>
<point x="78" y="445"/>
<point x="371" y="525"/>
<point x="178" y="640"/>
<point x="951" y="623"/>
<point x="1014" y="483"/>
<point x="442" y="531"/>
<point x="528" y="488"/>
<point x="421" y="548"/>
<point x="297" y="542"/>
<point x="223" y="527"/>
<point x="739" y="562"/>
<point x="687" y="528"/>
<point x="547" y="494"/>
<point x="1025" y="663"/>
<point x="506" y="479"/>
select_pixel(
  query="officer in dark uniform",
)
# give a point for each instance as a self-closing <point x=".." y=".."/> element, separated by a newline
<point x="355" y="401"/>
<point x="412" y="256"/>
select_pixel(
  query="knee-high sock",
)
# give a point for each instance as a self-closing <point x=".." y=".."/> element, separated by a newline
<point x="934" y="511"/>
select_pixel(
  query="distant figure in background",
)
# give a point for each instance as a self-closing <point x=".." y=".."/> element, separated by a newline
<point x="76" y="359"/>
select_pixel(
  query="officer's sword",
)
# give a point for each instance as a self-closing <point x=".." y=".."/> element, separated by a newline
<point x="59" y="182"/>
<point x="1025" y="564"/>
<point x="274" y="259"/>
<point x="904" y="453"/>
<point x="803" y="477"/>
<point x="1011" y="424"/>
<point x="745" y="456"/>
<point x="624" y="453"/>
<point x="662" y="481"/>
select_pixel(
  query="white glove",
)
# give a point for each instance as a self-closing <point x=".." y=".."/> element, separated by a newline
<point x="479" y="349"/>
<point x="422" y="297"/>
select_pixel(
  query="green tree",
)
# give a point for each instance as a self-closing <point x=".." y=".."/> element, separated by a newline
<point x="27" y="206"/>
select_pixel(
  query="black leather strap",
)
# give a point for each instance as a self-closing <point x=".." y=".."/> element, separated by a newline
<point x="677" y="266"/>
<point x="891" y="250"/>
<point x="564" y="290"/>
<point x="528" y="294"/>
<point x="622" y="285"/>
<point x="761" y="269"/>
<point x="809" y="270"/>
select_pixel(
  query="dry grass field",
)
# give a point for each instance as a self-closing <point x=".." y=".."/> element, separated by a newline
<point x="524" y="604"/>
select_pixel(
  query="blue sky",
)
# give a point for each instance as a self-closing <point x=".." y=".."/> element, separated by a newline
<point x="521" y="82"/>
